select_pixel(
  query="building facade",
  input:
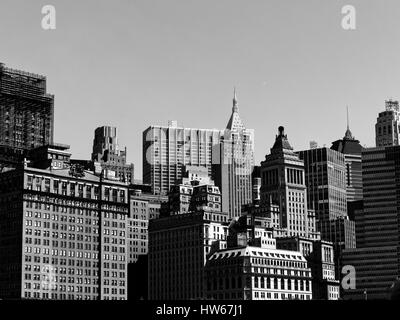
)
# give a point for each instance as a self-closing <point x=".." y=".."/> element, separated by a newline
<point x="325" y="172"/>
<point x="320" y="257"/>
<point x="252" y="268"/>
<point x="62" y="235"/>
<point x="255" y="273"/>
<point x="143" y="208"/>
<point x="195" y="191"/>
<point x="387" y="125"/>
<point x="283" y="184"/>
<point x="107" y="155"/>
<point x="263" y="229"/>
<point x="26" y="114"/>
<point x="325" y="178"/>
<point x="376" y="259"/>
<point x="168" y="149"/>
<point x="178" y="250"/>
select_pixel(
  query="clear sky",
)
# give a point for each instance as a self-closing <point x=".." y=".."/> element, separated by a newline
<point x="133" y="63"/>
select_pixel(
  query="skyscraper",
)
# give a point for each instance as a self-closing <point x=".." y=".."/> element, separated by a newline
<point x="233" y="163"/>
<point x="168" y="149"/>
<point x="143" y="208"/>
<point x="283" y="184"/>
<point x="387" y="125"/>
<point x="376" y="259"/>
<point x="178" y="250"/>
<point x="325" y="173"/>
<point x="351" y="148"/>
<point x="26" y="114"/>
<point x="106" y="141"/>
<point x="62" y="234"/>
<point x="325" y="178"/>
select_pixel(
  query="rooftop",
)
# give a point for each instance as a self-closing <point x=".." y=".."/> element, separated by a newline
<point x="258" y="253"/>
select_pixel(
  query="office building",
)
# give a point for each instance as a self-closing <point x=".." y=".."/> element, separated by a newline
<point x="252" y="268"/>
<point x="178" y="249"/>
<point x="320" y="257"/>
<point x="143" y="208"/>
<point x="168" y="149"/>
<point x="325" y="172"/>
<point x="387" y="125"/>
<point x="376" y="258"/>
<point x="351" y="149"/>
<point x="283" y="184"/>
<point x="62" y="235"/>
<point x="195" y="191"/>
<point x="233" y="163"/>
<point x="325" y="178"/>
<point x="261" y="220"/>
<point x="26" y="115"/>
<point x="190" y="224"/>
<point x="107" y="156"/>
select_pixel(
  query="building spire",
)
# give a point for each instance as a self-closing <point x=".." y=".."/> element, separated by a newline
<point x="348" y="135"/>
<point x="235" y="123"/>
<point x="235" y="103"/>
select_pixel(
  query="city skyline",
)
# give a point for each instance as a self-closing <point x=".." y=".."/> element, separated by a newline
<point x="156" y="51"/>
<point x="291" y="192"/>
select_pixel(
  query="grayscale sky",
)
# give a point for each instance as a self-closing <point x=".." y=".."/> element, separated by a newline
<point x="133" y="63"/>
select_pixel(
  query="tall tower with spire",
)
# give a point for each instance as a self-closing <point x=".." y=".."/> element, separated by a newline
<point x="351" y="148"/>
<point x="233" y="163"/>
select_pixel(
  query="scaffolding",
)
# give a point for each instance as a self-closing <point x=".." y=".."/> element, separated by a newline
<point x="26" y="113"/>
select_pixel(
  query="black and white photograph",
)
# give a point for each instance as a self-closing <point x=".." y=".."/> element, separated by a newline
<point x="199" y="158"/>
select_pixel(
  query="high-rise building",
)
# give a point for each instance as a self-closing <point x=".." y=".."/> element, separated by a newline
<point x="26" y="114"/>
<point x="325" y="178"/>
<point x="62" y="234"/>
<point x="387" y="125"/>
<point x="178" y="250"/>
<point x="283" y="184"/>
<point x="181" y="238"/>
<point x="376" y="259"/>
<point x="143" y="208"/>
<point x="325" y="172"/>
<point x="351" y="148"/>
<point x="233" y="163"/>
<point x="107" y="155"/>
<point x="167" y="150"/>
